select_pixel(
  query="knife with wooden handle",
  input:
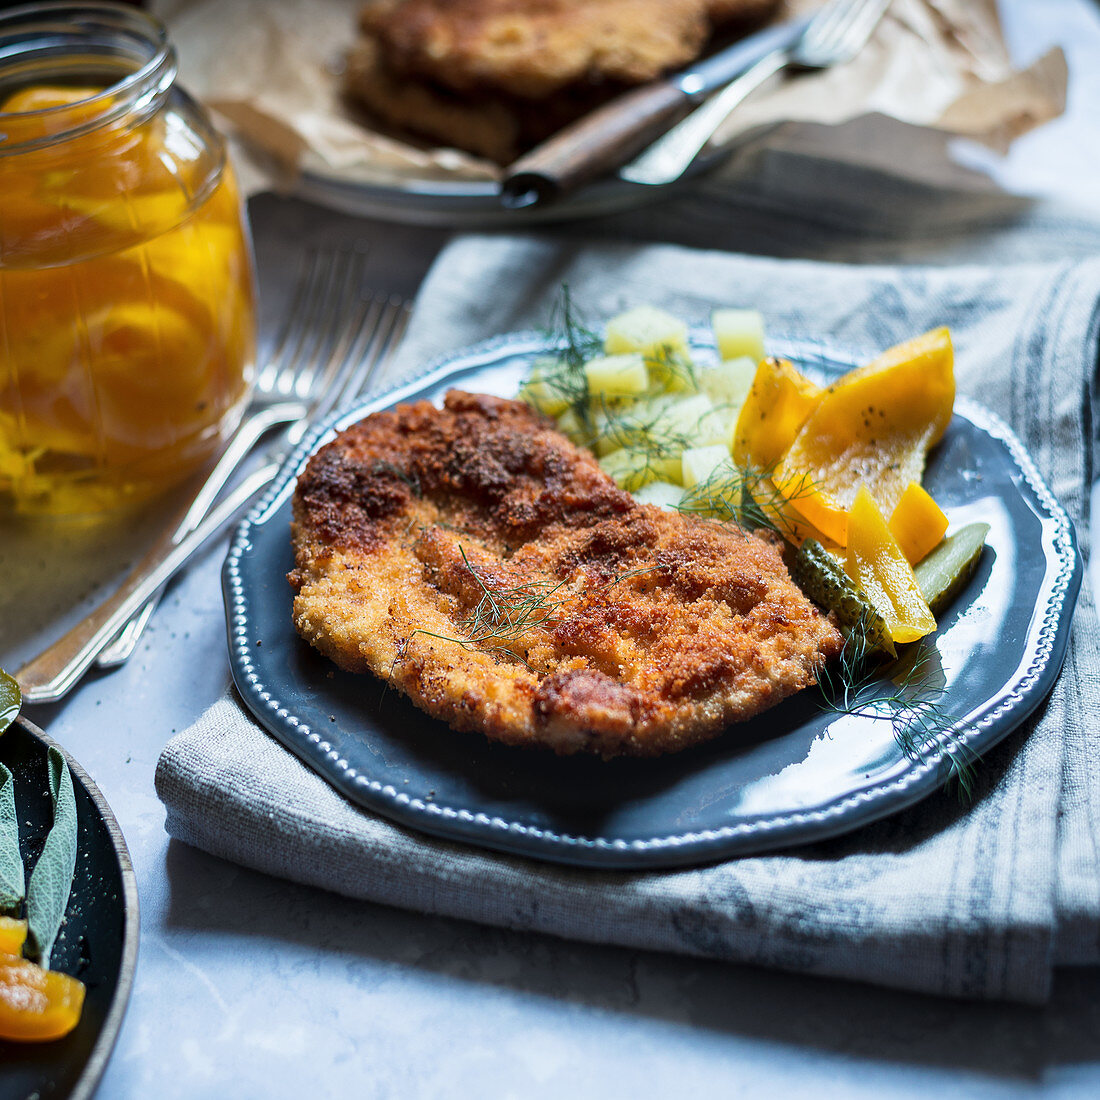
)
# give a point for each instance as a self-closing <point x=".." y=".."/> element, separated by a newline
<point x="609" y="136"/>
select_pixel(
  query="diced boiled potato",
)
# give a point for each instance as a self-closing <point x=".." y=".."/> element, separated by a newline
<point x="673" y="371"/>
<point x="739" y="332"/>
<point x="719" y="495"/>
<point x="646" y="413"/>
<point x="639" y="424"/>
<point x="716" y="426"/>
<point x="648" y="330"/>
<point x="613" y="426"/>
<point x="728" y="382"/>
<point x="680" y="423"/>
<point x="544" y="396"/>
<point x="617" y="375"/>
<point x="574" y="428"/>
<point x="634" y="469"/>
<point x="662" y="493"/>
<point x="698" y="464"/>
<point x="544" y="390"/>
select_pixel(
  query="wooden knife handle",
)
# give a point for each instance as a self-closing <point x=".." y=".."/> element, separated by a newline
<point x="601" y="141"/>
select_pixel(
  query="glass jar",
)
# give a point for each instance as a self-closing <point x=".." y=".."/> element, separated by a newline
<point x="127" y="308"/>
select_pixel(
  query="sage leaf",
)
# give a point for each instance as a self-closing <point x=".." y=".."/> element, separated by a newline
<point x="12" y="882"/>
<point x="51" y="880"/>
<point x="10" y="700"/>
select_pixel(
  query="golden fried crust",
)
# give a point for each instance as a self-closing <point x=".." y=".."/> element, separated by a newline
<point x="533" y="48"/>
<point x="476" y="559"/>
<point x="496" y="127"/>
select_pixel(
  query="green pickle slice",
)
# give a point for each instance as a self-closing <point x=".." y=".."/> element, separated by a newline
<point x="945" y="571"/>
<point x="823" y="579"/>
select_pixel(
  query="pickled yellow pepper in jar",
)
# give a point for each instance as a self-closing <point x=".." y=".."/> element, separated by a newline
<point x="126" y="289"/>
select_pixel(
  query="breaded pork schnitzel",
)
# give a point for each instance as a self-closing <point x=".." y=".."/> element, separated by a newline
<point x="496" y="76"/>
<point x="479" y="561"/>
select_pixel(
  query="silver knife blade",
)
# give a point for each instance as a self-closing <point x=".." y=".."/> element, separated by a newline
<point x="712" y="73"/>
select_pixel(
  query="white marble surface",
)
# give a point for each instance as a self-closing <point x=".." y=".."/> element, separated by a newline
<point x="250" y="987"/>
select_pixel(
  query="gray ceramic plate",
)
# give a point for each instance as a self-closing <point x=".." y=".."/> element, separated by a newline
<point x="99" y="939"/>
<point x="795" y="774"/>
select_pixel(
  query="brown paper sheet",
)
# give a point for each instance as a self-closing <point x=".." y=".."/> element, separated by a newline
<point x="273" y="69"/>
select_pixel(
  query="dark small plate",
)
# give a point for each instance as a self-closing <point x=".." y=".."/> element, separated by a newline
<point x="98" y="942"/>
<point x="794" y="774"/>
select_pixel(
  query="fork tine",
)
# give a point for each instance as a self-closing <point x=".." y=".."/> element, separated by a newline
<point x="341" y="296"/>
<point x="309" y="269"/>
<point x="401" y="312"/>
<point x="300" y="366"/>
<point x="861" y="22"/>
<point x="356" y="338"/>
<point x="339" y="367"/>
<point x="387" y="334"/>
<point x="824" y="24"/>
<point x="845" y="26"/>
<point x="318" y="329"/>
<point x="351" y="364"/>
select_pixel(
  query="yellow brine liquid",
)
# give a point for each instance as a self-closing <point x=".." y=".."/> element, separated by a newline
<point x="126" y="303"/>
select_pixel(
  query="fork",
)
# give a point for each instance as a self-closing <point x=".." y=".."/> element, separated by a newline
<point x="838" y="31"/>
<point x="364" y="349"/>
<point x="301" y="364"/>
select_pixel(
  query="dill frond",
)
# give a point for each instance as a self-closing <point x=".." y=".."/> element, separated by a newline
<point x="676" y="370"/>
<point x="568" y="331"/>
<point x="748" y="497"/>
<point x="904" y="691"/>
<point x="504" y="615"/>
<point x="640" y="429"/>
<point x="641" y="572"/>
<point x="560" y="377"/>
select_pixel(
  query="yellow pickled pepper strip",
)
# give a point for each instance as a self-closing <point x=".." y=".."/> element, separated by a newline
<point x="918" y="523"/>
<point x="872" y="429"/>
<point x="777" y="405"/>
<point x="876" y="563"/>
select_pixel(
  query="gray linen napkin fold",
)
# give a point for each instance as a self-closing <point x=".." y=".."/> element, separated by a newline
<point x="973" y="901"/>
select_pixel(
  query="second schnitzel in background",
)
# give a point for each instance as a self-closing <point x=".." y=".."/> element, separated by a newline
<point x="495" y="77"/>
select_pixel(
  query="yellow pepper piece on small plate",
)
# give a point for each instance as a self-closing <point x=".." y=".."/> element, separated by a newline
<point x="13" y="934"/>
<point x="35" y="1004"/>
